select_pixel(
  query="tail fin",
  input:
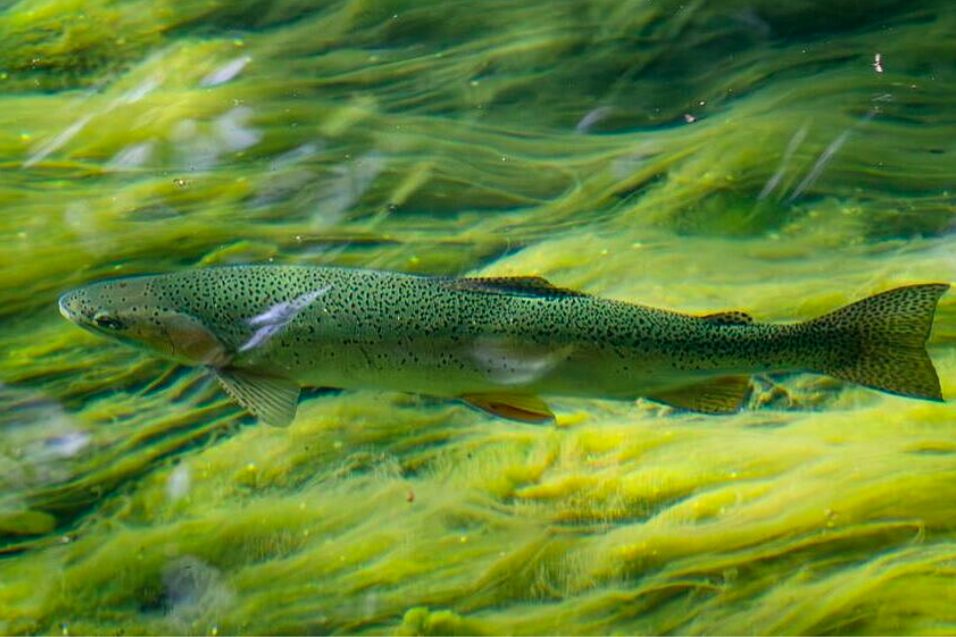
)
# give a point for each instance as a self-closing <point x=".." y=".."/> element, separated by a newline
<point x="887" y="334"/>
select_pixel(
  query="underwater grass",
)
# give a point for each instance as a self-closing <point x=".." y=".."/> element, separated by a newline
<point x="695" y="156"/>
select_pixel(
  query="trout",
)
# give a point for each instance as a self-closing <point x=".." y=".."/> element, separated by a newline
<point x="266" y="331"/>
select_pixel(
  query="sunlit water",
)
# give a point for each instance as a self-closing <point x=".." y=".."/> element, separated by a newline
<point x="781" y="158"/>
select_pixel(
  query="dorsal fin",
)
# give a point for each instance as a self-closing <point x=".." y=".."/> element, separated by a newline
<point x="732" y="317"/>
<point x="522" y="285"/>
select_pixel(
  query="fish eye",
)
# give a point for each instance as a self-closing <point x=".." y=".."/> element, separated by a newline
<point x="107" y="322"/>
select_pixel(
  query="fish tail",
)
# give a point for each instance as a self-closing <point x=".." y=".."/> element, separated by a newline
<point x="880" y="341"/>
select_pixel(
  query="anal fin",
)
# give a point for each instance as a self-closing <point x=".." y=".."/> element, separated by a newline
<point x="722" y="395"/>
<point x="520" y="407"/>
<point x="273" y="400"/>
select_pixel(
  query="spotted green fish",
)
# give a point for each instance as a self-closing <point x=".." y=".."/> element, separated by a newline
<point x="496" y="343"/>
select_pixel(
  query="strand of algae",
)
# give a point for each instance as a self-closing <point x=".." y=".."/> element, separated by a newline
<point x="332" y="531"/>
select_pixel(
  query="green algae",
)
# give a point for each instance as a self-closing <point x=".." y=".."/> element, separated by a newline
<point x="697" y="156"/>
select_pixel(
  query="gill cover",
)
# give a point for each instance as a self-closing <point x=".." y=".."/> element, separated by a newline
<point x="128" y="310"/>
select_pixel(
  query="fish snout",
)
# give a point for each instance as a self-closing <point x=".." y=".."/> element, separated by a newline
<point x="64" y="305"/>
<point x="69" y="306"/>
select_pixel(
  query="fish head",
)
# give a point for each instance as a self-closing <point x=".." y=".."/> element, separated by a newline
<point x="137" y="312"/>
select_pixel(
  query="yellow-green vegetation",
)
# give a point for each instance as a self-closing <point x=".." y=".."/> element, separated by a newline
<point x="782" y="158"/>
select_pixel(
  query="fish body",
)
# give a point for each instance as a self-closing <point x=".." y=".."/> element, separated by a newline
<point x="498" y="343"/>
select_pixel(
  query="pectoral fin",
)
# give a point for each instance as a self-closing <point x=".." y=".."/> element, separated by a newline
<point x="520" y="407"/>
<point x="272" y="400"/>
<point x="722" y="395"/>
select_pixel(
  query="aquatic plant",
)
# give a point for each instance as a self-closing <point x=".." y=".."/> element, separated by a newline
<point x="699" y="156"/>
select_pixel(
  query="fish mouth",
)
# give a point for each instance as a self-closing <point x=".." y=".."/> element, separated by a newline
<point x="64" y="306"/>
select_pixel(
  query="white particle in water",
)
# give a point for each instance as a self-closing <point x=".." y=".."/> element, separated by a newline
<point x="67" y="445"/>
<point x="591" y="118"/>
<point x="178" y="483"/>
<point x="232" y="130"/>
<point x="226" y="72"/>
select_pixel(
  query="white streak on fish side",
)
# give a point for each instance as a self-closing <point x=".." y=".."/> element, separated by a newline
<point x="510" y="363"/>
<point x="277" y="317"/>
